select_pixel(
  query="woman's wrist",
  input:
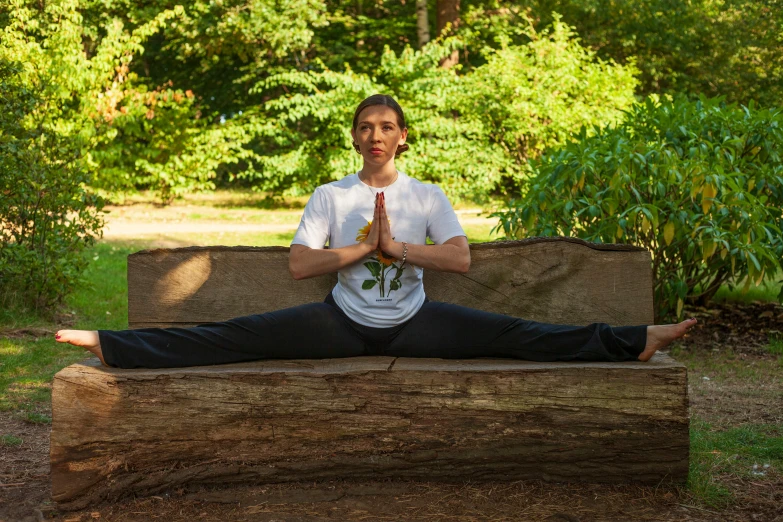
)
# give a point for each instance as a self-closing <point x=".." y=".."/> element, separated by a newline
<point x="366" y="248"/>
<point x="393" y="248"/>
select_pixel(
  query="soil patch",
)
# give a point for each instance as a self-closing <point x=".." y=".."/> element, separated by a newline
<point x="734" y="379"/>
<point x="747" y="328"/>
<point x="25" y="488"/>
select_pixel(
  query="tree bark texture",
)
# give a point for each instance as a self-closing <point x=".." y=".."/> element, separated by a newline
<point x="448" y="14"/>
<point x="422" y="23"/>
<point x="136" y="432"/>
<point x="556" y="280"/>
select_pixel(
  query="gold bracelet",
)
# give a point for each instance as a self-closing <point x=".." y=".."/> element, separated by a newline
<point x="404" y="253"/>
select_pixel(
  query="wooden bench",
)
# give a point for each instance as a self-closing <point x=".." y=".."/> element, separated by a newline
<point x="120" y="432"/>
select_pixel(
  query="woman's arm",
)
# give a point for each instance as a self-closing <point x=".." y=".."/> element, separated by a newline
<point x="304" y="262"/>
<point x="452" y="256"/>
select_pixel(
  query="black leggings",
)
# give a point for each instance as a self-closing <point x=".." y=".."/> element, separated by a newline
<point x="323" y="330"/>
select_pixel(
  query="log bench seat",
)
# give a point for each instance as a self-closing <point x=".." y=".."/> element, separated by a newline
<point x="122" y="432"/>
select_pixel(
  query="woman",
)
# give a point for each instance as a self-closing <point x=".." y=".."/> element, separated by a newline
<point x="376" y="223"/>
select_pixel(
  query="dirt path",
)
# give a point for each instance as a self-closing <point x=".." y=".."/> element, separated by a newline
<point x="162" y="223"/>
<point x="126" y="229"/>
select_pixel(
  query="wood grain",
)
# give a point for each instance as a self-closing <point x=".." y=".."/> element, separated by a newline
<point x="273" y="421"/>
<point x="556" y="280"/>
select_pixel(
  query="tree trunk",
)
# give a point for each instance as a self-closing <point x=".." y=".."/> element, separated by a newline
<point x="118" y="433"/>
<point x="422" y="22"/>
<point x="448" y="13"/>
<point x="554" y="280"/>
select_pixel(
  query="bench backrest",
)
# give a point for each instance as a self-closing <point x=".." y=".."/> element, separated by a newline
<point x="556" y="280"/>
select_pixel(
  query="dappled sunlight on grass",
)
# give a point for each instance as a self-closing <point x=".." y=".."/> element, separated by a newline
<point x="9" y="348"/>
<point x="767" y="291"/>
<point x="25" y="377"/>
<point x="235" y="198"/>
<point x="29" y="362"/>
<point x="223" y="219"/>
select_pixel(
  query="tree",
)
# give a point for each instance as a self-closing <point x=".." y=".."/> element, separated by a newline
<point x="422" y="23"/>
<point x="448" y="20"/>
<point x="472" y="133"/>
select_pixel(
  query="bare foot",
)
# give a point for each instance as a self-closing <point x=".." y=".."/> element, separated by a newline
<point x="660" y="336"/>
<point x="85" y="338"/>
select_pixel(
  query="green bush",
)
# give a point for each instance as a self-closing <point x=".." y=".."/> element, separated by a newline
<point x="698" y="183"/>
<point x="730" y="48"/>
<point x="472" y="133"/>
<point x="46" y="216"/>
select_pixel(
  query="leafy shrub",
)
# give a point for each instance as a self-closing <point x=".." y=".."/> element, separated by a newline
<point x="715" y="47"/>
<point x="698" y="183"/>
<point x="46" y="216"/>
<point x="472" y="133"/>
<point x="155" y="140"/>
<point x="54" y="96"/>
<point x="131" y="135"/>
<point x="166" y="120"/>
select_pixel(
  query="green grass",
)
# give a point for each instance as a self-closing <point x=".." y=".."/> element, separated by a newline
<point x="775" y="346"/>
<point x="767" y="291"/>
<point x="743" y="451"/>
<point x="728" y="364"/>
<point x="10" y="441"/>
<point x="231" y="238"/>
<point x="33" y="417"/>
<point x="28" y="363"/>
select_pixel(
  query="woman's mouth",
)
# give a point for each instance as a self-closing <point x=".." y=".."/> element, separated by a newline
<point x="375" y="151"/>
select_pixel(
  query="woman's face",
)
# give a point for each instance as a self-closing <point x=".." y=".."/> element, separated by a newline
<point x="378" y="134"/>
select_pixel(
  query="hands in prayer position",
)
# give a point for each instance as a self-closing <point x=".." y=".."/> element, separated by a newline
<point x="380" y="235"/>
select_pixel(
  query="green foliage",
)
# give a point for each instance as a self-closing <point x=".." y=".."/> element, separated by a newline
<point x="56" y="100"/>
<point x="775" y="346"/>
<point x="712" y="47"/>
<point x="698" y="183"/>
<point x="46" y="216"/>
<point x="471" y="133"/>
<point x="175" y="97"/>
<point x="165" y="122"/>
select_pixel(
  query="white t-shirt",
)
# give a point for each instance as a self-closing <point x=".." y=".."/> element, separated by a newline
<point x="375" y="291"/>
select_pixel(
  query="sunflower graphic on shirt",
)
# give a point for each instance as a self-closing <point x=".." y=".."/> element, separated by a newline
<point x="381" y="266"/>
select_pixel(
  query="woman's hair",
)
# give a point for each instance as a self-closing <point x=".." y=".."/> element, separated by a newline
<point x="388" y="101"/>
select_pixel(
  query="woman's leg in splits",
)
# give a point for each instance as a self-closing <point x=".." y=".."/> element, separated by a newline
<point x="311" y="331"/>
<point x="455" y="332"/>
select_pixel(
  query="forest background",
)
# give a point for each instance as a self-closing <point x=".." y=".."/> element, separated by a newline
<point x="653" y="122"/>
